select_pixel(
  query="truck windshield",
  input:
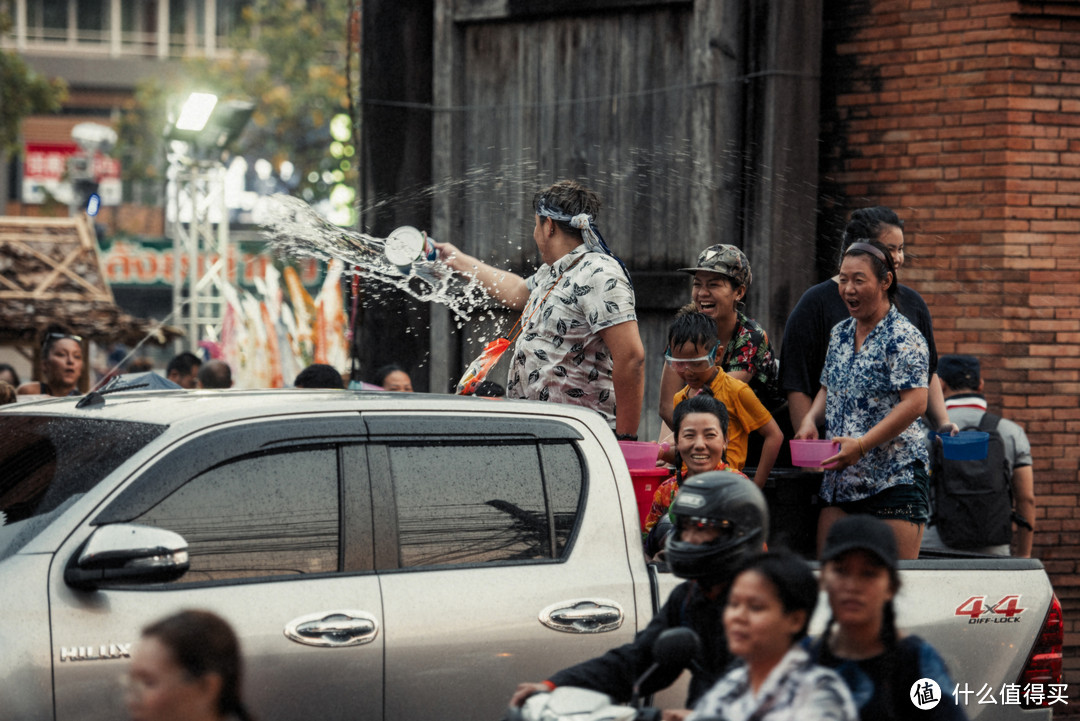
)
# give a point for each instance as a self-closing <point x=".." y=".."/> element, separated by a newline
<point x="46" y="462"/>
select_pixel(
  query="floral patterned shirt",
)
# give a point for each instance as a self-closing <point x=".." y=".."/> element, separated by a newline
<point x="863" y="388"/>
<point x="796" y="689"/>
<point x="749" y="350"/>
<point x="560" y="355"/>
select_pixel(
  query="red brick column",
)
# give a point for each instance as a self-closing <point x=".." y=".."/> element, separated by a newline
<point x="964" y="116"/>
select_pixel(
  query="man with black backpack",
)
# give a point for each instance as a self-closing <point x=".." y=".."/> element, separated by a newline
<point x="976" y="503"/>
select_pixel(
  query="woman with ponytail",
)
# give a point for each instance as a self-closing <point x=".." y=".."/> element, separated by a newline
<point x="880" y="664"/>
<point x="186" y="667"/>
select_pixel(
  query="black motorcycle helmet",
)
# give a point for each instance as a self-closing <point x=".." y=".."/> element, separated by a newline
<point x="733" y="504"/>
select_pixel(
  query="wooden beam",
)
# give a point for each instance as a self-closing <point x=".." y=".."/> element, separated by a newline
<point x="783" y="95"/>
<point x="40" y="291"/>
<point x="446" y="163"/>
<point x="716" y="57"/>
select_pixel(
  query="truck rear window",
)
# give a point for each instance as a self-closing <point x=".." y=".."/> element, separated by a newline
<point x="47" y="461"/>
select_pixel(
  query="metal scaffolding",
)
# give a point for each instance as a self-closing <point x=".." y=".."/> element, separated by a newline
<point x="199" y="227"/>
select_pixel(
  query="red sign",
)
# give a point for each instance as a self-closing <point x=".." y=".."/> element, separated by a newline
<point x="48" y="161"/>
<point x="46" y="168"/>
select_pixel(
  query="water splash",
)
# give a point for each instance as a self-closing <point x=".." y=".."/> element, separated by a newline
<point x="294" y="229"/>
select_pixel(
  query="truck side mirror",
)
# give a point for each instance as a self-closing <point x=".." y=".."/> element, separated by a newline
<point x="127" y="553"/>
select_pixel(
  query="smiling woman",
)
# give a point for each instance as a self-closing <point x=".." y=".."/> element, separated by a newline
<point x="701" y="426"/>
<point x="721" y="280"/>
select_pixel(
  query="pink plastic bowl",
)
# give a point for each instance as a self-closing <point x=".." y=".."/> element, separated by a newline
<point x="640" y="454"/>
<point x="810" y="454"/>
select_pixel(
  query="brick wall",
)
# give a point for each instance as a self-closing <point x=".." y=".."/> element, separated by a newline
<point x="964" y="116"/>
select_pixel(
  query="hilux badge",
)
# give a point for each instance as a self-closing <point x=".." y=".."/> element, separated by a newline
<point x="95" y="653"/>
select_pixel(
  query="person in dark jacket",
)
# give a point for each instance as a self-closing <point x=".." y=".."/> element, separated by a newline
<point x="722" y="519"/>
<point x="886" y="670"/>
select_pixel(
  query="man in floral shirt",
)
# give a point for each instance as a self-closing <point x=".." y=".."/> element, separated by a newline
<point x="579" y="342"/>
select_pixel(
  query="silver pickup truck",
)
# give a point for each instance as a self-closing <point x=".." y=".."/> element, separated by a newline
<point x="384" y="556"/>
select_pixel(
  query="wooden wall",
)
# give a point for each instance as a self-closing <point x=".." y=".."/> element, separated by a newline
<point x="688" y="117"/>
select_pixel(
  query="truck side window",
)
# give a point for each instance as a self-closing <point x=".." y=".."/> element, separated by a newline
<point x="468" y="503"/>
<point x="563" y="476"/>
<point x="272" y="514"/>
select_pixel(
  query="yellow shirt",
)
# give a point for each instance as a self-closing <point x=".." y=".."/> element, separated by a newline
<point x="745" y="413"/>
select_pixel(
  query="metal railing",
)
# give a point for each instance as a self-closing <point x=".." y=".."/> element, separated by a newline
<point x="101" y="42"/>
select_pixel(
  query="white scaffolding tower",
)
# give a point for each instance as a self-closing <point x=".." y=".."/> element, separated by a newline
<point x="199" y="227"/>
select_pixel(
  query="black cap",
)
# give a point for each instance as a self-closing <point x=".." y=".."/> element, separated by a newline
<point x="861" y="533"/>
<point x="960" y="372"/>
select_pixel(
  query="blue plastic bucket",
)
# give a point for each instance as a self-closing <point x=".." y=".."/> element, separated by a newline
<point x="966" y="445"/>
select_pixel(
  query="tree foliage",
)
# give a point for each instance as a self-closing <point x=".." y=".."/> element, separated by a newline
<point x="23" y="93"/>
<point x="288" y="56"/>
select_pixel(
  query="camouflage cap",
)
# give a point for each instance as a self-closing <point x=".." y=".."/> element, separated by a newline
<point x="726" y="260"/>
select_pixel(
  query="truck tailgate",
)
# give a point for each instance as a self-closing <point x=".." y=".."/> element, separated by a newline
<point x="983" y="615"/>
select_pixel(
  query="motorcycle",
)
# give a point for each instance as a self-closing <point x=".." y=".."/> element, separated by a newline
<point x="675" y="648"/>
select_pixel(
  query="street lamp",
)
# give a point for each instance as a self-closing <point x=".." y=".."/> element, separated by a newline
<point x="206" y="123"/>
<point x="200" y="224"/>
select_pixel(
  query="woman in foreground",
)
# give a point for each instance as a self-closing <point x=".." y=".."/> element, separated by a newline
<point x="768" y="609"/>
<point x="186" y="667"/>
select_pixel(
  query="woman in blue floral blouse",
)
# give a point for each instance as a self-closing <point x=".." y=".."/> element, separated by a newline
<point x="873" y="391"/>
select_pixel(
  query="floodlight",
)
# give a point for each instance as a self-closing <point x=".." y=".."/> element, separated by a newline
<point x="196" y="111"/>
<point x="206" y="123"/>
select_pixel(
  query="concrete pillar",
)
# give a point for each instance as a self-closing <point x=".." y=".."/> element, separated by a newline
<point x="72" y="23"/>
<point x="20" y="25"/>
<point x="210" y="27"/>
<point x="163" y="29"/>
<point x="116" y="28"/>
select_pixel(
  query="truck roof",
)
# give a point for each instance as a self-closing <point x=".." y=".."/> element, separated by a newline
<point x="190" y="409"/>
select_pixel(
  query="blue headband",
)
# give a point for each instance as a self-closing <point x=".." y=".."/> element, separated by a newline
<point x="589" y="232"/>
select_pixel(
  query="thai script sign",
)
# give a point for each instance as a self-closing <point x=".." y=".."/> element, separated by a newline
<point x="152" y="263"/>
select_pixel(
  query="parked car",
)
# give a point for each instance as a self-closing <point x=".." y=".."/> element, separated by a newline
<point x="381" y="555"/>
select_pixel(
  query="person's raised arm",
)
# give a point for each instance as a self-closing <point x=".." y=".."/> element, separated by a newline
<point x="507" y="288"/>
<point x="627" y="374"/>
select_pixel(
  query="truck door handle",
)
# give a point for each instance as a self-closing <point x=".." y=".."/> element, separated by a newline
<point x="583" y="615"/>
<point x="333" y="629"/>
